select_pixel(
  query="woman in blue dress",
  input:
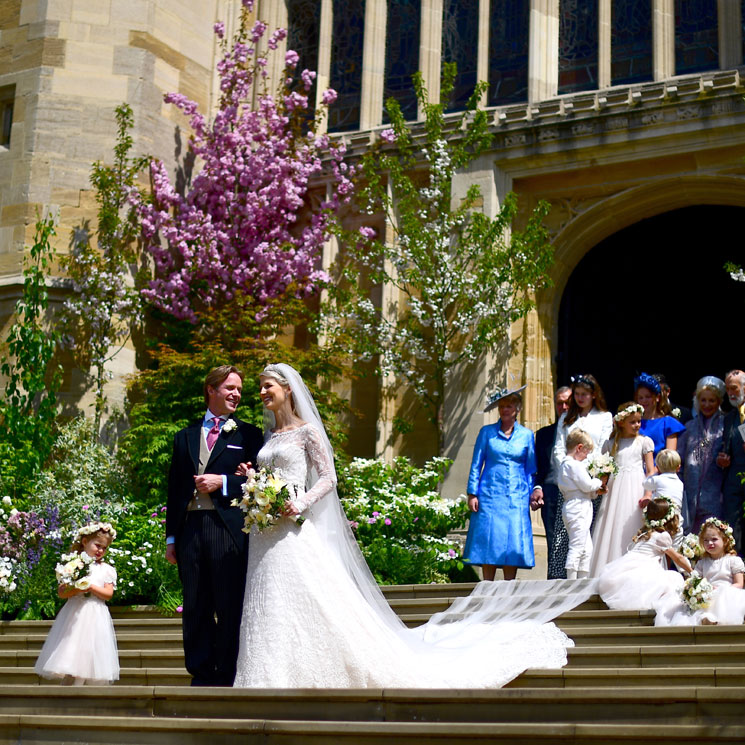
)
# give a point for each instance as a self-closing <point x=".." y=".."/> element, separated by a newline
<point x="657" y="424"/>
<point x="499" y="486"/>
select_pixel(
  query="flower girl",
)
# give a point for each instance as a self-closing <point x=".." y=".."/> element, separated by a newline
<point x="724" y="570"/>
<point x="619" y="514"/>
<point x="81" y="646"/>
<point x="640" y="580"/>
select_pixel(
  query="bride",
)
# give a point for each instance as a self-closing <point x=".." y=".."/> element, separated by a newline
<point x="314" y="617"/>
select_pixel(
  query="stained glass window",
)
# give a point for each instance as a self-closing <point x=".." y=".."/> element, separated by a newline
<point x="578" y="45"/>
<point x="631" y="41"/>
<point x="460" y="43"/>
<point x="304" y="20"/>
<point x="508" y="51"/>
<point x="402" y="53"/>
<point x="346" y="64"/>
<point x="696" y="40"/>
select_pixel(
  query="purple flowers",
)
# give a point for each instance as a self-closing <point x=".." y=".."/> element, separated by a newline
<point x="247" y="225"/>
<point x="388" y="135"/>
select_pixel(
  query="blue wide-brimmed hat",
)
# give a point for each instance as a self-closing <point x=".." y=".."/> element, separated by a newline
<point x="492" y="399"/>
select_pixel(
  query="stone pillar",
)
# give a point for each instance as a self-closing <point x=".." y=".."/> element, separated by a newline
<point x="482" y="61"/>
<point x="373" y="64"/>
<point x="604" y="43"/>
<point x="275" y="16"/>
<point x="430" y="48"/>
<point x="663" y="39"/>
<point x="543" y="55"/>
<point x="325" y="33"/>
<point x="729" y="17"/>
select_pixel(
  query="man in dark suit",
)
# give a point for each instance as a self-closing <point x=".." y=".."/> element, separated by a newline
<point x="204" y="536"/>
<point x="732" y="457"/>
<point x="546" y="492"/>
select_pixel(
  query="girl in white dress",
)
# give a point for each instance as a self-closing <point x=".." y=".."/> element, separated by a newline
<point x="619" y="516"/>
<point x="81" y="646"/>
<point x="313" y="616"/>
<point x="640" y="580"/>
<point x="725" y="571"/>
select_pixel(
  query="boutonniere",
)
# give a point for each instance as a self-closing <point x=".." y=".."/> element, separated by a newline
<point x="676" y="412"/>
<point x="229" y="426"/>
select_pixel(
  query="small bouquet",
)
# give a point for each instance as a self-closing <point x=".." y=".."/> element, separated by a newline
<point x="600" y="465"/>
<point x="691" y="547"/>
<point x="265" y="497"/>
<point x="74" y="569"/>
<point x="696" y="592"/>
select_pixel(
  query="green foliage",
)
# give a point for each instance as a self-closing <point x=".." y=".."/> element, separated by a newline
<point x="400" y="520"/>
<point x="457" y="278"/>
<point x="29" y="406"/>
<point x="84" y="480"/>
<point x="106" y="304"/>
<point x="138" y="555"/>
<point x="166" y="397"/>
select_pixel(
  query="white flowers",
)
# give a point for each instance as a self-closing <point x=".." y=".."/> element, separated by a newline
<point x="696" y="592"/>
<point x="691" y="547"/>
<point x="265" y="497"/>
<point x="74" y="570"/>
<point x="229" y="426"/>
<point x="601" y="464"/>
<point x="7" y="501"/>
<point x="7" y="575"/>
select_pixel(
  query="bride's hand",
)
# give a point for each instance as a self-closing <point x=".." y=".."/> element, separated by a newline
<point x="290" y="510"/>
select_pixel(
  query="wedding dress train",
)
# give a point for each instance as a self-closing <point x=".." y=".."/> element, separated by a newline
<point x="313" y="617"/>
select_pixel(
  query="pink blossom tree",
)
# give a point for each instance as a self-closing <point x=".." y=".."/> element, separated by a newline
<point x="246" y="230"/>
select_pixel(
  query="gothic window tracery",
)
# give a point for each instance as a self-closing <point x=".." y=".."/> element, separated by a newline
<point x="303" y="26"/>
<point x="578" y="46"/>
<point x="508" y="51"/>
<point x="346" y="64"/>
<point x="402" y="54"/>
<point x="460" y="42"/>
<point x="696" y="36"/>
<point x="631" y="41"/>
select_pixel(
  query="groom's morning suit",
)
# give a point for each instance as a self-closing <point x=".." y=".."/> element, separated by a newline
<point x="210" y="546"/>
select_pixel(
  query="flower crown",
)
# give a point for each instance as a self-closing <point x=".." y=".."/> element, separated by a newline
<point x="582" y="380"/>
<point x="715" y="522"/>
<point x="672" y="511"/>
<point x="645" y="380"/>
<point x="628" y="411"/>
<point x="96" y="527"/>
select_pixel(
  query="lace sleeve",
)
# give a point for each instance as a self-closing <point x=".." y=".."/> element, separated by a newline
<point x="320" y="462"/>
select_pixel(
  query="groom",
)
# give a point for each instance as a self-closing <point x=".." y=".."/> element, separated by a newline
<point x="203" y="531"/>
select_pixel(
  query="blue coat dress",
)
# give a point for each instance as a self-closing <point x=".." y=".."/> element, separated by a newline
<point x="501" y="476"/>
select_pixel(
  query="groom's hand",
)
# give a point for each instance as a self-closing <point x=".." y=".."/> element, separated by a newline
<point x="171" y="553"/>
<point x="208" y="482"/>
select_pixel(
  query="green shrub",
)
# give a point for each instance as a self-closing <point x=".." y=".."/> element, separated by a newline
<point x="400" y="519"/>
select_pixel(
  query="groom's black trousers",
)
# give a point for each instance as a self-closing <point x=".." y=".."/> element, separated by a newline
<point x="208" y="558"/>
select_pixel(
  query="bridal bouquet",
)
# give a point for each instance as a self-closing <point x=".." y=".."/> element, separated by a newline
<point x="696" y="592"/>
<point x="600" y="465"/>
<point x="74" y="570"/>
<point x="691" y="547"/>
<point x="265" y="497"/>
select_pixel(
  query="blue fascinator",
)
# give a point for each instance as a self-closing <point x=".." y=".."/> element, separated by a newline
<point x="645" y="380"/>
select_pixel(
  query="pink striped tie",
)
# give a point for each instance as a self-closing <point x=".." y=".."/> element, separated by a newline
<point x="214" y="433"/>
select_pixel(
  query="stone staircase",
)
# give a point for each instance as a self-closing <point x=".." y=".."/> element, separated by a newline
<point x="625" y="681"/>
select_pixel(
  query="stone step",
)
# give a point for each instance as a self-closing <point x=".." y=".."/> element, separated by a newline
<point x="672" y="656"/>
<point x="597" y="656"/>
<point x="641" y="677"/>
<point x="133" y="624"/>
<point x="672" y="704"/>
<point x="129" y="676"/>
<point x="595" y="635"/>
<point x="97" y="730"/>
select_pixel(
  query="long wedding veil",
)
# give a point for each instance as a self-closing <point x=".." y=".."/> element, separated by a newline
<point x="465" y="631"/>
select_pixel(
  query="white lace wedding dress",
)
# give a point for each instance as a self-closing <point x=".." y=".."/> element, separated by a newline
<point x="309" y="621"/>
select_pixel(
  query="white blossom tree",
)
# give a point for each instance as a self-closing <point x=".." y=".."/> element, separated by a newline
<point x="459" y="278"/>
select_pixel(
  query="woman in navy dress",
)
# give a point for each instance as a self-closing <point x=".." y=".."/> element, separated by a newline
<point x="657" y="423"/>
<point x="499" y="486"/>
